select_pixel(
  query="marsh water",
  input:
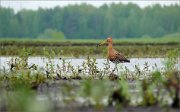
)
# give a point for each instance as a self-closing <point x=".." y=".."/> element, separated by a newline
<point x="54" y="90"/>
<point x="151" y="63"/>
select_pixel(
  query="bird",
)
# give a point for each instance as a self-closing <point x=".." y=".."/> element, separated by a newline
<point x="113" y="55"/>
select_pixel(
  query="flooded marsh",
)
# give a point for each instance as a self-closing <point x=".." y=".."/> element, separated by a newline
<point x="79" y="83"/>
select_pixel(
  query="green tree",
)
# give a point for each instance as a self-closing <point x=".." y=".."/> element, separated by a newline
<point x="85" y="21"/>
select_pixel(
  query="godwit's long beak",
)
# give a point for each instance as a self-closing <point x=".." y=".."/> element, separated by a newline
<point x="102" y="43"/>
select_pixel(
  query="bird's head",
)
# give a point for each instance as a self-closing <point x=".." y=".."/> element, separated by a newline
<point x="108" y="40"/>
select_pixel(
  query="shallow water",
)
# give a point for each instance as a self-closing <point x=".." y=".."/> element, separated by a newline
<point x="151" y="63"/>
<point x="53" y="92"/>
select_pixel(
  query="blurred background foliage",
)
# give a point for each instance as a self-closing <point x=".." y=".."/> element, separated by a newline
<point x="86" y="21"/>
<point x="51" y="34"/>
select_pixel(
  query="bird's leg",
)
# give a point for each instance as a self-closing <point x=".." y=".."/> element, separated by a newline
<point x="114" y="68"/>
<point x="113" y="71"/>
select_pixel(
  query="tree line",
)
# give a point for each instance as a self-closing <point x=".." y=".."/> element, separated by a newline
<point x="86" y="21"/>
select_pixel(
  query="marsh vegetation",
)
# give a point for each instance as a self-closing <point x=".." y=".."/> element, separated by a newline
<point x="78" y="49"/>
<point x="26" y="87"/>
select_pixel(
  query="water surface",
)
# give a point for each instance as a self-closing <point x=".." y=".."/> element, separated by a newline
<point x="151" y="63"/>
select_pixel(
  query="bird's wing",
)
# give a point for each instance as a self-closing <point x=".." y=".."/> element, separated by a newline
<point x="121" y="56"/>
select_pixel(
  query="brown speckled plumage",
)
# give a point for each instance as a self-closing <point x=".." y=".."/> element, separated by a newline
<point x="113" y="55"/>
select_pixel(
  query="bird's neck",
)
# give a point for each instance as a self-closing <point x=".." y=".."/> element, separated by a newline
<point x="110" y="46"/>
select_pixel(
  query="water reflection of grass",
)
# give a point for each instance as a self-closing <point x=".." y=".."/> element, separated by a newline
<point x="68" y="86"/>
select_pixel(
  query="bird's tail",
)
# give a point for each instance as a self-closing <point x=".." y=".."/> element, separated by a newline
<point x="127" y="60"/>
